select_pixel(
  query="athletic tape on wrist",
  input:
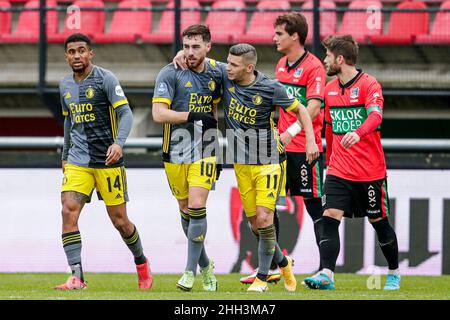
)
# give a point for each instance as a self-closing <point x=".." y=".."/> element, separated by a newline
<point x="294" y="129"/>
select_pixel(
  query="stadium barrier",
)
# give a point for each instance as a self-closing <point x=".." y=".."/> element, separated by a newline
<point x="30" y="240"/>
<point x="155" y="143"/>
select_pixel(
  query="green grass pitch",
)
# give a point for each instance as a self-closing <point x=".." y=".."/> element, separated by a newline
<point x="120" y="286"/>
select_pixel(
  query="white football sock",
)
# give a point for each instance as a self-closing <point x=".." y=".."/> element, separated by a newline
<point x="329" y="273"/>
<point x="396" y="272"/>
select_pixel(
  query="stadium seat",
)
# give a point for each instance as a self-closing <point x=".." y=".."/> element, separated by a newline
<point x="27" y="29"/>
<point x="165" y="31"/>
<point x="356" y="23"/>
<point x="440" y="31"/>
<point x="226" y="24"/>
<point x="128" y="26"/>
<point x="261" y="28"/>
<point x="5" y="19"/>
<point x="404" y="26"/>
<point x="90" y="22"/>
<point x="327" y="19"/>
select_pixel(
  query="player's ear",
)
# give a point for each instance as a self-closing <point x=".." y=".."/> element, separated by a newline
<point x="208" y="46"/>
<point x="250" y="68"/>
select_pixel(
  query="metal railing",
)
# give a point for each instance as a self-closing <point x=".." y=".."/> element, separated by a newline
<point x="155" y="143"/>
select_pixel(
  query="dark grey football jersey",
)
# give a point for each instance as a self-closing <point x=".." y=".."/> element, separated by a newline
<point x="91" y="105"/>
<point x="249" y="112"/>
<point x="188" y="91"/>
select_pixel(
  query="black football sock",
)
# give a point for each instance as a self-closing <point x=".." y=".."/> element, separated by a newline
<point x="387" y="241"/>
<point x="315" y="211"/>
<point x="329" y="243"/>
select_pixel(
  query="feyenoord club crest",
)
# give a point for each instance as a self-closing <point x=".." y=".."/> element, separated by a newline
<point x="90" y="93"/>
<point x="298" y="72"/>
<point x="257" y="99"/>
<point x="211" y="85"/>
<point x="354" y="93"/>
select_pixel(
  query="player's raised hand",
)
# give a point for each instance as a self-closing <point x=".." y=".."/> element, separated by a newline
<point x="113" y="154"/>
<point x="350" y="139"/>
<point x="286" y="138"/>
<point x="179" y="61"/>
<point x="312" y="151"/>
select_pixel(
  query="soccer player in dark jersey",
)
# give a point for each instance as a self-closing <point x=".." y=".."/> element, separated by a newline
<point x="185" y="101"/>
<point x="97" y="122"/>
<point x="250" y="99"/>
<point x="303" y="76"/>
<point x="356" y="182"/>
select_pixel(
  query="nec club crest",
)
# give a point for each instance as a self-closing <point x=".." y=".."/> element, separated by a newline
<point x="354" y="93"/>
<point x="298" y="73"/>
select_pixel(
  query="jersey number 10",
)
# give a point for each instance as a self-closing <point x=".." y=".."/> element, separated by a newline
<point x="208" y="167"/>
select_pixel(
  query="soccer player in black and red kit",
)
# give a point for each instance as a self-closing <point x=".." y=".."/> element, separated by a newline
<point x="356" y="182"/>
<point x="303" y="75"/>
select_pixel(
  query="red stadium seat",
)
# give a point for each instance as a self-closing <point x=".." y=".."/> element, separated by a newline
<point x="327" y="19"/>
<point x="226" y="24"/>
<point x="440" y="31"/>
<point x="165" y="32"/>
<point x="90" y="22"/>
<point x="27" y="29"/>
<point x="127" y="26"/>
<point x="356" y="23"/>
<point x="261" y="28"/>
<point x="404" y="26"/>
<point x="5" y="18"/>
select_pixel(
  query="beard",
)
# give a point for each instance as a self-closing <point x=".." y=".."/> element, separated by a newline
<point x="195" y="63"/>
<point x="333" y="69"/>
<point x="80" y="68"/>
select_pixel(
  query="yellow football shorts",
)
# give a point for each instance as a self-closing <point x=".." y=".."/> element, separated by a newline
<point x="110" y="183"/>
<point x="201" y="173"/>
<point x="283" y="182"/>
<point x="259" y="185"/>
